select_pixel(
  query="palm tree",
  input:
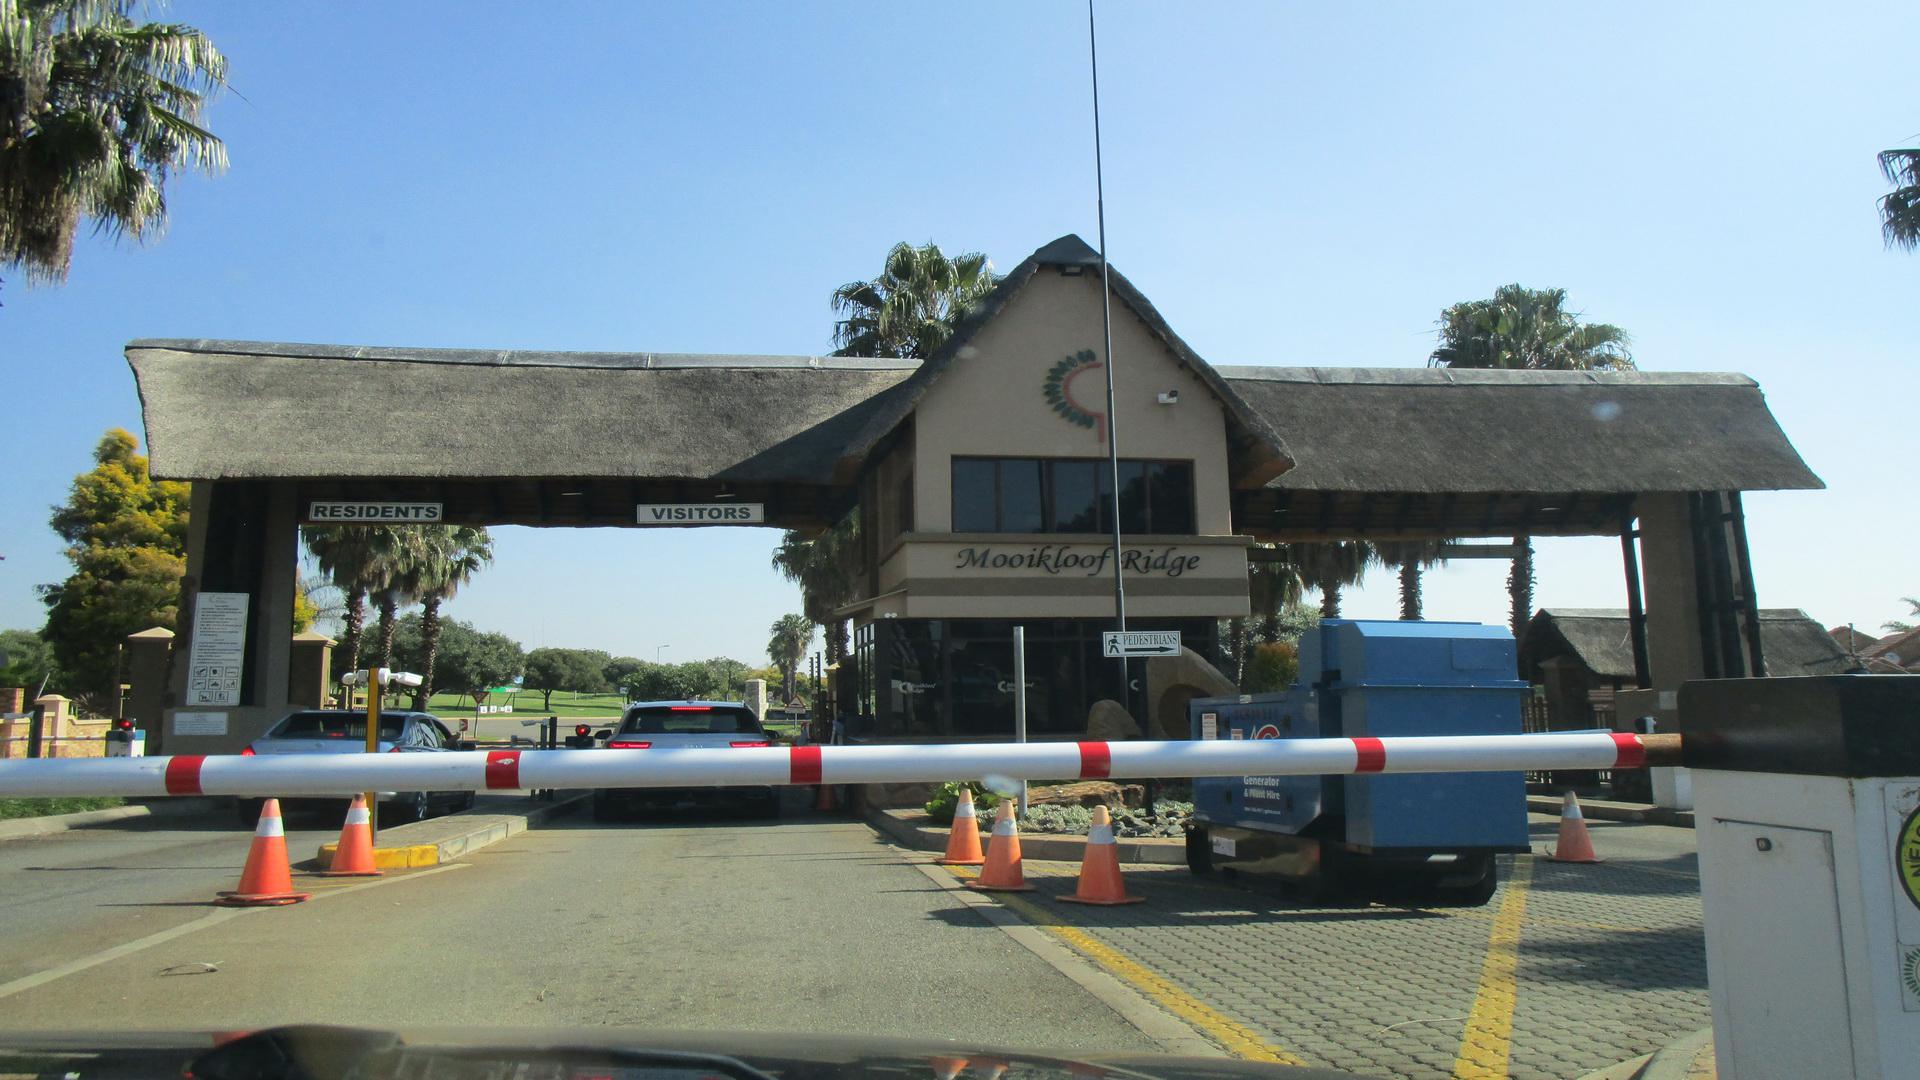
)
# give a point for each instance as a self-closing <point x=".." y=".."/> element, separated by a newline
<point x="1520" y="586"/>
<point x="1527" y="328"/>
<point x="355" y="558"/>
<point x="787" y="647"/>
<point x="1331" y="566"/>
<point x="452" y="555"/>
<point x="1412" y="557"/>
<point x="1897" y="626"/>
<point x="823" y="565"/>
<point x="95" y="112"/>
<point x="1900" y="208"/>
<point x="913" y="306"/>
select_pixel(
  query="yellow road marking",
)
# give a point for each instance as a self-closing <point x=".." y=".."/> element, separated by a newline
<point x="1486" y="1045"/>
<point x="1239" y="1039"/>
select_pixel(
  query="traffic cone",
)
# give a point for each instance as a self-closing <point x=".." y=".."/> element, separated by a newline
<point x="1100" y="871"/>
<point x="1002" y="871"/>
<point x="1573" y="846"/>
<point x="353" y="855"/>
<point x="963" y="840"/>
<point x="267" y="879"/>
<point x="826" y="798"/>
<point x="946" y="1068"/>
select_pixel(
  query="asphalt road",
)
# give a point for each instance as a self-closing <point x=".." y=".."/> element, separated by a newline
<point x="803" y="924"/>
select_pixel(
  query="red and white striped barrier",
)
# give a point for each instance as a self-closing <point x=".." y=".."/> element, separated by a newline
<point x="295" y="775"/>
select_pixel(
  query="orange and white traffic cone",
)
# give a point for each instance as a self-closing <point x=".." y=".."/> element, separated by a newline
<point x="963" y="840"/>
<point x="826" y="798"/>
<point x="1100" y="871"/>
<point x="1573" y="845"/>
<point x="353" y="855"/>
<point x="947" y="1068"/>
<point x="1002" y="873"/>
<point x="267" y="878"/>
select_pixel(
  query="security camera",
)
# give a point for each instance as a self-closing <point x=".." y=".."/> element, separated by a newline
<point x="1169" y="397"/>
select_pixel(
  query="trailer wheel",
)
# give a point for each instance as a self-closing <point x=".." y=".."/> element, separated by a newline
<point x="1199" y="852"/>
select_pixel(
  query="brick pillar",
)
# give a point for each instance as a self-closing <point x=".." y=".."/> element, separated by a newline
<point x="310" y="670"/>
<point x="147" y="657"/>
<point x="12" y="699"/>
<point x="55" y="725"/>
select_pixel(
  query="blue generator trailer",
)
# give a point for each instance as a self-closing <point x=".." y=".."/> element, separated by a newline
<point x="1418" y="838"/>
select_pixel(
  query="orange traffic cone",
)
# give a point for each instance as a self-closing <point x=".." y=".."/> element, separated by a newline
<point x="353" y="855"/>
<point x="1573" y="845"/>
<point x="1100" y="871"/>
<point x="1002" y="872"/>
<point x="267" y="878"/>
<point x="826" y="798"/>
<point x="963" y="840"/>
<point x="946" y="1068"/>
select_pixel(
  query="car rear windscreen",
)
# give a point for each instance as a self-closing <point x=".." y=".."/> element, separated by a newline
<point x="328" y="725"/>
<point x="690" y="719"/>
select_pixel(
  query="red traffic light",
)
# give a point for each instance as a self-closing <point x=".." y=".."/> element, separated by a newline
<point x="125" y="725"/>
<point x="581" y="729"/>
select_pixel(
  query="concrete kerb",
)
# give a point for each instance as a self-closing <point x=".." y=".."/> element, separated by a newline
<point x="1604" y="810"/>
<point x="444" y="839"/>
<point x="58" y="823"/>
<point x="1689" y="1057"/>
<point x="912" y="829"/>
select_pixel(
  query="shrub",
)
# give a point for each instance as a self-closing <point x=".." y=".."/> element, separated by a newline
<point x="940" y="807"/>
<point x="1272" y="666"/>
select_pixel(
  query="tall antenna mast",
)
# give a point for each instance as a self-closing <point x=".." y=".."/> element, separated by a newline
<point x="1106" y="324"/>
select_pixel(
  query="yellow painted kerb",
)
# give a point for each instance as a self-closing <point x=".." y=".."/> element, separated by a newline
<point x="411" y="857"/>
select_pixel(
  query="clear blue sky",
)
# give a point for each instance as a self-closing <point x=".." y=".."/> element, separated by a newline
<point x="1290" y="184"/>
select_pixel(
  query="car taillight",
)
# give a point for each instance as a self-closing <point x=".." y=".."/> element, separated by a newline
<point x="627" y="744"/>
<point x="246" y="751"/>
<point x="689" y="708"/>
<point x="393" y="749"/>
<point x="751" y="742"/>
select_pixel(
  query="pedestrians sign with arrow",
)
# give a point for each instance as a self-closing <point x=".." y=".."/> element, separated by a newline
<point x="1116" y="644"/>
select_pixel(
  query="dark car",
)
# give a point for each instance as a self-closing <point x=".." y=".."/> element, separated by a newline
<point x="338" y="731"/>
<point x="686" y="724"/>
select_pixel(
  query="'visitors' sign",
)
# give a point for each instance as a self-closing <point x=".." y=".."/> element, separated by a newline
<point x="721" y="513"/>
<point x="382" y="513"/>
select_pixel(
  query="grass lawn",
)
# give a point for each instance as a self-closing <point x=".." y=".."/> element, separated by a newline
<point x="24" y="808"/>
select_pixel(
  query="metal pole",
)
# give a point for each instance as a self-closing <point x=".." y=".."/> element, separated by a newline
<point x="1106" y="326"/>
<point x="36" y="728"/>
<point x="374" y="687"/>
<point x="1020" y="700"/>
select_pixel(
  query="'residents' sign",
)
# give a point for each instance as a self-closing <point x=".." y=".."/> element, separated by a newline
<point x="722" y="513"/>
<point x="381" y="513"/>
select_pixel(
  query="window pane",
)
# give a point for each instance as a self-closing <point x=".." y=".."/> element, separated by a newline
<point x="973" y="495"/>
<point x="1172" y="490"/>
<point x="1076" y="496"/>
<point x="1133" y="498"/>
<point x="1020" y="495"/>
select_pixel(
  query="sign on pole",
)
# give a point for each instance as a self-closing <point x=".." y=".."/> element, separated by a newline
<point x="219" y="648"/>
<point x="1118" y="644"/>
<point x="723" y="513"/>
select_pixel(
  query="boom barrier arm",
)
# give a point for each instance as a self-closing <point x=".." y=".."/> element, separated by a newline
<point x="301" y="775"/>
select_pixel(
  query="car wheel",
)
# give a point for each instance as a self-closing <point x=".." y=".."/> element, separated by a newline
<point x="1199" y="852"/>
<point x="248" y="812"/>
<point x="466" y="801"/>
<point x="602" y="809"/>
<point x="767" y="806"/>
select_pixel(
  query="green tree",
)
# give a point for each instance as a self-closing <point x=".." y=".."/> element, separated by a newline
<point x="1900" y="208"/>
<point x="471" y="661"/>
<point x="622" y="671"/>
<point x="912" y="307"/>
<point x="1898" y="626"/>
<point x="96" y="112"/>
<point x="360" y="560"/>
<point x="1273" y="666"/>
<point x="26" y="660"/>
<point x="1331" y="566"/>
<point x="580" y="671"/>
<point x="446" y="558"/>
<point x="1527" y="328"/>
<point x="126" y="538"/>
<point x="825" y="566"/>
<point x="1412" y="557"/>
<point x="787" y="647"/>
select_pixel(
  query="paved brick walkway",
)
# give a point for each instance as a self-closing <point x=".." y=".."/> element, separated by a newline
<point x="1610" y="966"/>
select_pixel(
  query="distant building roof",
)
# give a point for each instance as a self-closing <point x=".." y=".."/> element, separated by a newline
<point x="1791" y="642"/>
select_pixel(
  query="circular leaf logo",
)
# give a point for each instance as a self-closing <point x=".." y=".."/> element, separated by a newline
<point x="1910" y="972"/>
<point x="1062" y="391"/>
<point x="1906" y="857"/>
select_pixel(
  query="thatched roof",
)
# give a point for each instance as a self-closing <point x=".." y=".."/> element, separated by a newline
<point x="1420" y="430"/>
<point x="1255" y="445"/>
<point x="232" y="410"/>
<point x="1790" y="641"/>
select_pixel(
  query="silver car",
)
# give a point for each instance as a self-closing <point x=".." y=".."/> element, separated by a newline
<point x="686" y="724"/>
<point x="338" y="731"/>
